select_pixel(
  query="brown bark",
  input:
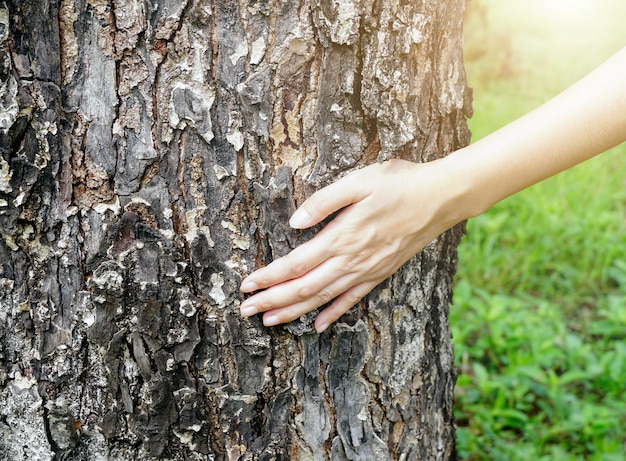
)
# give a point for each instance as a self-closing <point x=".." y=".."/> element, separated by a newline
<point x="150" y="156"/>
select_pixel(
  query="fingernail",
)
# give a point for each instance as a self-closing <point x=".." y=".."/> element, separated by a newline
<point x="248" y="286"/>
<point x="271" y="320"/>
<point x="247" y="311"/>
<point x="300" y="219"/>
<point x="322" y="327"/>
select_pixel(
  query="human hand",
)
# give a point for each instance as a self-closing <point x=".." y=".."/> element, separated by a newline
<point x="389" y="212"/>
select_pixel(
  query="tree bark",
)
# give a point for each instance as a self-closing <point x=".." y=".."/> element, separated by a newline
<point x="150" y="156"/>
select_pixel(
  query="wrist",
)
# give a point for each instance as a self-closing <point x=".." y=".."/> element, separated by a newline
<point x="465" y="194"/>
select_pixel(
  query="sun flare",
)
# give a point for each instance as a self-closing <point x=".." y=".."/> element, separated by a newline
<point x="568" y="10"/>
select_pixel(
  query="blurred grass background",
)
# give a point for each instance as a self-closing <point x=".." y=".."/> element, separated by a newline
<point x="539" y="314"/>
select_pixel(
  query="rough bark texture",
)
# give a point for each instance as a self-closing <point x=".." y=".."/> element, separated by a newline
<point x="151" y="153"/>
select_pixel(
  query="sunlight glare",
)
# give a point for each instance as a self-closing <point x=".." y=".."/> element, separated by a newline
<point x="570" y="10"/>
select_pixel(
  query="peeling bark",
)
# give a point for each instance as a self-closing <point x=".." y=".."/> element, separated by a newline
<point x="150" y="156"/>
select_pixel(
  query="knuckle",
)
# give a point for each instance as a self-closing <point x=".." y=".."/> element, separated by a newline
<point x="306" y="292"/>
<point x="324" y="297"/>
<point x="353" y="299"/>
<point x="297" y="269"/>
<point x="309" y="292"/>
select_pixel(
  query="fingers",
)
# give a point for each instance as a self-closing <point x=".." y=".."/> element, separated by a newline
<point x="342" y="304"/>
<point x="301" y="295"/>
<point x="330" y="314"/>
<point x="326" y="201"/>
<point x="300" y="261"/>
<point x="308" y="297"/>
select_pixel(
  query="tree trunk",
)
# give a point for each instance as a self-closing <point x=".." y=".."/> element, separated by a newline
<point x="151" y="154"/>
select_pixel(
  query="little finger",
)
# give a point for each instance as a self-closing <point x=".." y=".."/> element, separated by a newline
<point x="343" y="304"/>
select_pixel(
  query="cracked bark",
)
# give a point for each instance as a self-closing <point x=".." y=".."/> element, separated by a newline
<point x="150" y="155"/>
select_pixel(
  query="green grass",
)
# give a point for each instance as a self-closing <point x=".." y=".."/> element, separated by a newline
<point x="539" y="314"/>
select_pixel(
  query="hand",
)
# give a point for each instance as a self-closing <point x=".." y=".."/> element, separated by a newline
<point x="390" y="211"/>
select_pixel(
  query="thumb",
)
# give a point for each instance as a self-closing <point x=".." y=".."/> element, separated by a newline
<point x="326" y="201"/>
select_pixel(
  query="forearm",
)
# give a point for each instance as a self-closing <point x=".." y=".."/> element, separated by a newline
<point x="390" y="211"/>
<point x="588" y="118"/>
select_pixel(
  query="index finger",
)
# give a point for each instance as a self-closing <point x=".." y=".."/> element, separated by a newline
<point x="326" y="201"/>
<point x="298" y="262"/>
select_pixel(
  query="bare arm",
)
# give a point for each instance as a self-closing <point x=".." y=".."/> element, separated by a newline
<point x="393" y="210"/>
<point x="583" y="121"/>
